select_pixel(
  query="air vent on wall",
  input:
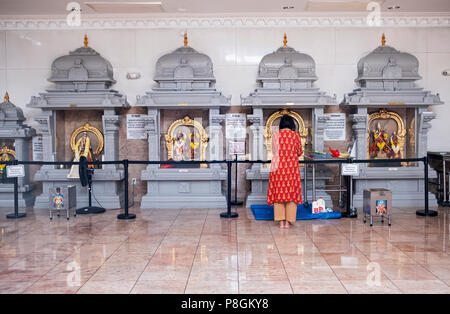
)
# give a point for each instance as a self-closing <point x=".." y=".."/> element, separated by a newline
<point x="336" y="5"/>
<point x="126" y="7"/>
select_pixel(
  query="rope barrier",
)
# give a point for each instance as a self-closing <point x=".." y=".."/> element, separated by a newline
<point x="228" y="214"/>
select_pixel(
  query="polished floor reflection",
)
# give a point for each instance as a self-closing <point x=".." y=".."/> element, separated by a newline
<point x="195" y="251"/>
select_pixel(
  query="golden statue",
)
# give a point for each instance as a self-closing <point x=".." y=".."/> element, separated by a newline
<point x="6" y="154"/>
<point x="382" y="143"/>
<point x="395" y="145"/>
<point x="186" y="139"/>
<point x="179" y="146"/>
<point x="380" y="147"/>
<point x="83" y="147"/>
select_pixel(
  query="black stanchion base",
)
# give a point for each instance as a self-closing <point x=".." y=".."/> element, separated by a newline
<point x="347" y="215"/>
<point x="90" y="210"/>
<point x="352" y="214"/>
<point x="236" y="203"/>
<point x="430" y="213"/>
<point x="14" y="216"/>
<point x="126" y="216"/>
<point x="229" y="215"/>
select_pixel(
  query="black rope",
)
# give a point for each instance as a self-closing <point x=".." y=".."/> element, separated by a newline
<point x="198" y="162"/>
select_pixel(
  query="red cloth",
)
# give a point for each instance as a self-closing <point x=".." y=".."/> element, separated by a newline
<point x="284" y="180"/>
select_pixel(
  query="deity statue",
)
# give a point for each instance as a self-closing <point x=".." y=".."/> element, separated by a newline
<point x="395" y="145"/>
<point x="179" y="146"/>
<point x="195" y="142"/>
<point x="380" y="147"/>
<point x="82" y="148"/>
<point x="3" y="157"/>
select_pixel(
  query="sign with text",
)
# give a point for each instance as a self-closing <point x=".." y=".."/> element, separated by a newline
<point x="15" y="171"/>
<point x="350" y="170"/>
<point x="335" y="127"/>
<point x="38" y="148"/>
<point x="136" y="127"/>
<point x="236" y="148"/>
<point x="236" y="124"/>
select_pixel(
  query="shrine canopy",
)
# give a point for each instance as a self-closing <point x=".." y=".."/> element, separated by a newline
<point x="82" y="69"/>
<point x="286" y="63"/>
<point x="286" y="80"/>
<point x="11" y="121"/>
<point x="82" y="80"/>
<point x="185" y="78"/>
<point x="184" y="69"/>
<point x="387" y="76"/>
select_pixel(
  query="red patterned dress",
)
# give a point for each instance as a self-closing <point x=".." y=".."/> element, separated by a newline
<point x="284" y="180"/>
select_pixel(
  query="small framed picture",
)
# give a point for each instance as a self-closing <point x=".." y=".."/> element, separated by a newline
<point x="381" y="207"/>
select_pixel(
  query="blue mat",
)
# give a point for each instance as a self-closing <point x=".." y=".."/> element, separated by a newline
<point x="265" y="212"/>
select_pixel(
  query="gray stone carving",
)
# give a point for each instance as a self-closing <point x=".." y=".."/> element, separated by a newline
<point x="17" y="136"/>
<point x="285" y="81"/>
<point x="185" y="81"/>
<point x="83" y="81"/>
<point x="386" y="80"/>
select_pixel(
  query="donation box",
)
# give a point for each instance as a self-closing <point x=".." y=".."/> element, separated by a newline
<point x="62" y="198"/>
<point x="377" y="202"/>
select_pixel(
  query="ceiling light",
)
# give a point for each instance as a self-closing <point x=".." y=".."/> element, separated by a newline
<point x="288" y="7"/>
<point x="394" y="7"/>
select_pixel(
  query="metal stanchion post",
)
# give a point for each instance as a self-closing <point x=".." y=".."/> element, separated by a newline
<point x="426" y="211"/>
<point x="126" y="215"/>
<point x="236" y="202"/>
<point x="439" y="194"/>
<point x="305" y="201"/>
<point x="445" y="201"/>
<point x="228" y="213"/>
<point x="351" y="211"/>
<point x="314" y="182"/>
<point x="341" y="203"/>
<point x="16" y="213"/>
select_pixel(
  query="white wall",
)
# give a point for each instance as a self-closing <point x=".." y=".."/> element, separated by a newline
<point x="26" y="56"/>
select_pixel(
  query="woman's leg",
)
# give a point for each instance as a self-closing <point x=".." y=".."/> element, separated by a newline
<point x="279" y="213"/>
<point x="291" y="212"/>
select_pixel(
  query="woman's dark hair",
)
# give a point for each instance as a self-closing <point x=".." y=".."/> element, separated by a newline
<point x="287" y="122"/>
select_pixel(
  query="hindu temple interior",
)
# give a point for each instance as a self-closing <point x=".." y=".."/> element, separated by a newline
<point x="136" y="141"/>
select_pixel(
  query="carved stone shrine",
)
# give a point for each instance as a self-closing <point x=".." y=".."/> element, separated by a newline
<point x="391" y="119"/>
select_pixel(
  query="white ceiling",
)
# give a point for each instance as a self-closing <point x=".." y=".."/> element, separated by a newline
<point x="186" y="7"/>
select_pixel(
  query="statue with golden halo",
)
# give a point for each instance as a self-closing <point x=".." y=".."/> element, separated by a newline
<point x="380" y="147"/>
<point x="179" y="146"/>
<point x="385" y="142"/>
<point x="83" y="147"/>
<point x="6" y="154"/>
<point x="186" y="139"/>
